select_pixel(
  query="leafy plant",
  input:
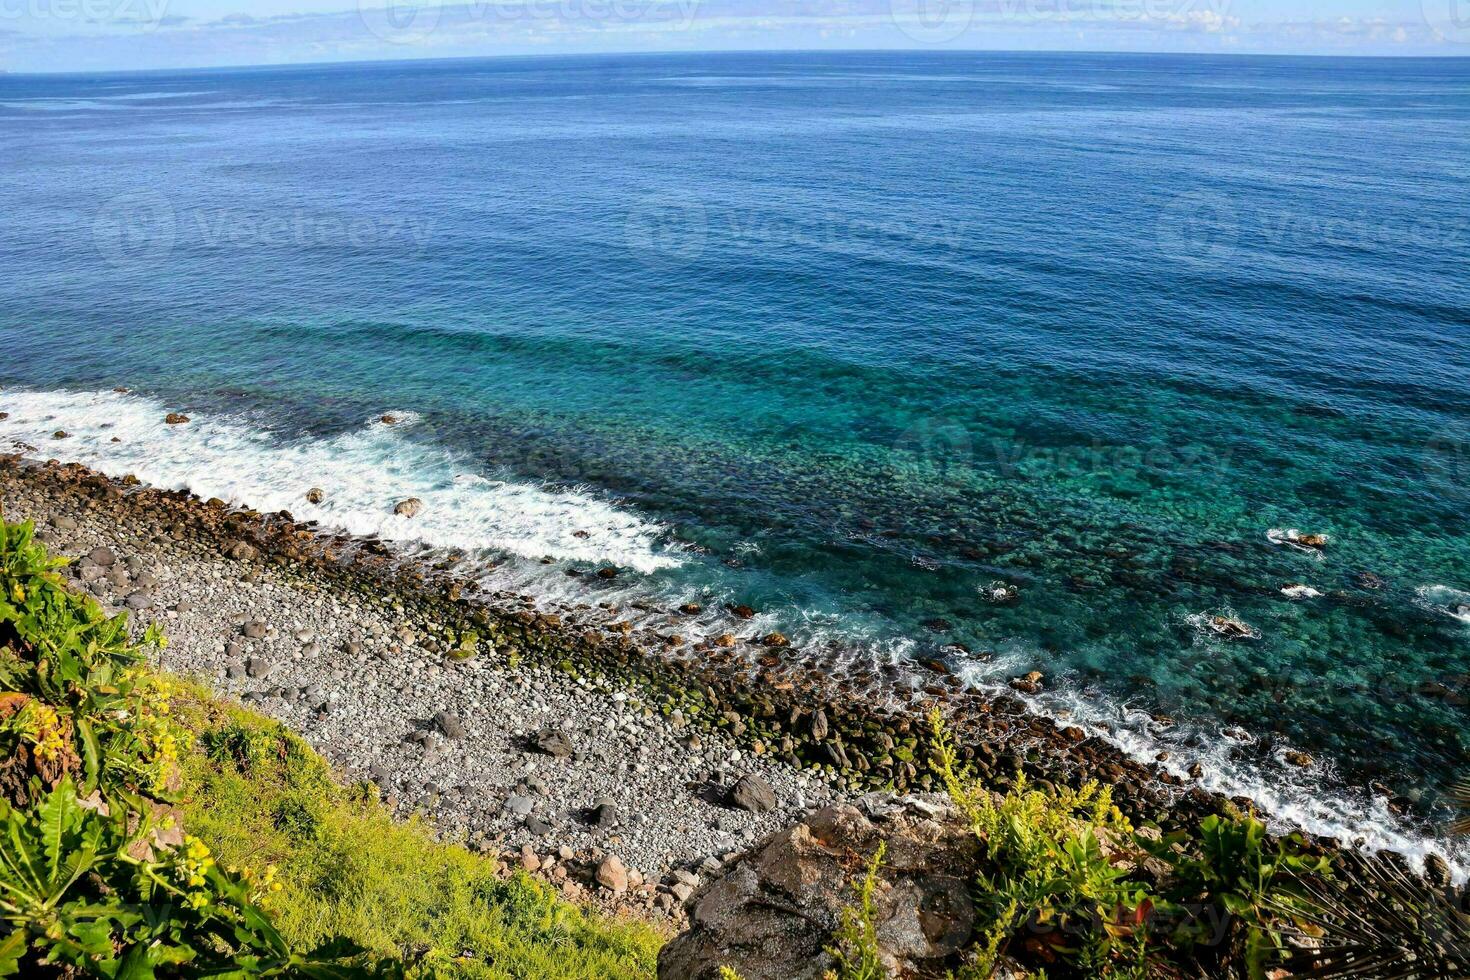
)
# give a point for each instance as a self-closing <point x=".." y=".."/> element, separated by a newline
<point x="1071" y="885"/>
<point x="1253" y="884"/>
<point x="856" y="948"/>
<point x="96" y="878"/>
<point x="1045" y="870"/>
<point x="60" y="654"/>
<point x="80" y="890"/>
<point x="1459" y="794"/>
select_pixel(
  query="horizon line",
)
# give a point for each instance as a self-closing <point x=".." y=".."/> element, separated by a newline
<point x="348" y="63"/>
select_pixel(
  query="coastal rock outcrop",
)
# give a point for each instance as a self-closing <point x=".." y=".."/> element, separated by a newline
<point x="409" y="507"/>
<point x="772" y="913"/>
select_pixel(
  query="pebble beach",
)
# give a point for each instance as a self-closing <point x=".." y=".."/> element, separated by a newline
<point x="553" y="771"/>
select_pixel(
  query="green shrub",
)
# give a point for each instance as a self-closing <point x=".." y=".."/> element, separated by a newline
<point x="96" y="877"/>
<point x="284" y="871"/>
<point x="77" y="695"/>
<point x="856" y="946"/>
<point x="1068" y="885"/>
<point x="82" y="889"/>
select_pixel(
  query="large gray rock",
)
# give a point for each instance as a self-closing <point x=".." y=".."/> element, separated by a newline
<point x="449" y="724"/>
<point x="772" y="914"/>
<point x="754" y="794"/>
<point x="554" y="742"/>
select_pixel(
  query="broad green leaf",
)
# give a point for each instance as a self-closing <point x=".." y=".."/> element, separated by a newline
<point x="91" y="755"/>
<point x="12" y="948"/>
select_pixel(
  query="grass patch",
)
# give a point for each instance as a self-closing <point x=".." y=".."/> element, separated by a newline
<point x="148" y="830"/>
<point x="259" y="796"/>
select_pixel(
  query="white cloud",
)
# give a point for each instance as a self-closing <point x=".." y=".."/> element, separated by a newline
<point x="487" y="27"/>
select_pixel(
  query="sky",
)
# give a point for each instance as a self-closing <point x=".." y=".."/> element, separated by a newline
<point x="99" y="35"/>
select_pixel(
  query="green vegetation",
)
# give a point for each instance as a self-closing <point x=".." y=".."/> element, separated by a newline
<point x="1070" y="887"/>
<point x="282" y="872"/>
<point x="260" y="795"/>
<point x="856" y="947"/>
<point x="148" y="830"/>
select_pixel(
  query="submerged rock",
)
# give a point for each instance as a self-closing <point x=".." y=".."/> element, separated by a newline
<point x="1029" y="683"/>
<point x="1001" y="594"/>
<point x="1233" y="629"/>
<point x="1367" y="580"/>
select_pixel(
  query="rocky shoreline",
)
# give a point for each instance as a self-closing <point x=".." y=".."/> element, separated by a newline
<point x="623" y="764"/>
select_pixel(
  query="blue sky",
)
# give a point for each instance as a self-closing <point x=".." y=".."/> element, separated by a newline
<point x="83" y="35"/>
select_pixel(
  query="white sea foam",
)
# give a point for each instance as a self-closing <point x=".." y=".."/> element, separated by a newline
<point x="363" y="474"/>
<point x="1454" y="603"/>
<point x="1300" y="592"/>
<point x="1289" y="797"/>
<point x="366" y="471"/>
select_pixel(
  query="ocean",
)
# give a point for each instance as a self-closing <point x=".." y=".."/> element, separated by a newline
<point x="1013" y="361"/>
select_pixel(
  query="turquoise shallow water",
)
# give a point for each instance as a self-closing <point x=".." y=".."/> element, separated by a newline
<point x="849" y="338"/>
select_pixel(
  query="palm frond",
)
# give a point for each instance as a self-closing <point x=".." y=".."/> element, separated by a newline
<point x="1376" y="919"/>
<point x="1459" y="795"/>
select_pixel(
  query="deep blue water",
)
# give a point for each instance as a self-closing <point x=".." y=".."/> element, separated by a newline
<point x="850" y="338"/>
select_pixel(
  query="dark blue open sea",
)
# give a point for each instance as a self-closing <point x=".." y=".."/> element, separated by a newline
<point x="865" y="341"/>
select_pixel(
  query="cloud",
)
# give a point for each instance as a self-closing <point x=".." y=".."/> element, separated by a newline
<point x="417" y="28"/>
